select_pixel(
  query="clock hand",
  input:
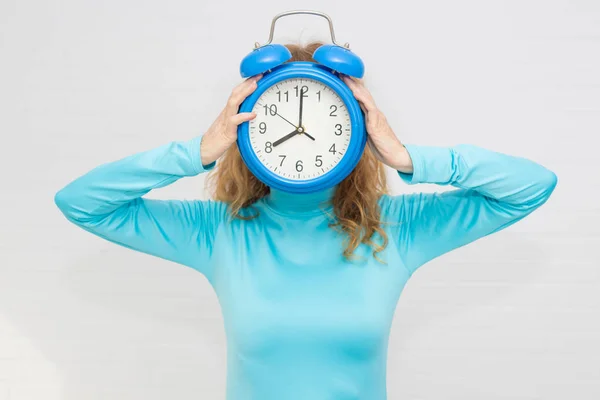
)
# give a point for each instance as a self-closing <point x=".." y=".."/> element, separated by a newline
<point x="286" y="137"/>
<point x="301" y="103"/>
<point x="286" y="120"/>
<point x="304" y="132"/>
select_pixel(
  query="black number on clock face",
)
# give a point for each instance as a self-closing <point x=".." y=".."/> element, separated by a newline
<point x="272" y="109"/>
<point x="316" y="148"/>
<point x="286" y="94"/>
<point x="333" y="109"/>
<point x="303" y="90"/>
<point x="318" y="161"/>
<point x="338" y="129"/>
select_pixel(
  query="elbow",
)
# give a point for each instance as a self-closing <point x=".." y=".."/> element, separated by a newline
<point x="61" y="199"/>
<point x="67" y="204"/>
<point x="548" y="183"/>
<point x="541" y="188"/>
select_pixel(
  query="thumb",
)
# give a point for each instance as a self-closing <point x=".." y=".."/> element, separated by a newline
<point x="242" y="117"/>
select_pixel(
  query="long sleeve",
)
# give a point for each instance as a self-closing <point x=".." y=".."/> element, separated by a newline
<point x="494" y="191"/>
<point x="107" y="201"/>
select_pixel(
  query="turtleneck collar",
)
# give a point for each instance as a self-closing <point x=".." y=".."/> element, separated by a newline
<point x="300" y="203"/>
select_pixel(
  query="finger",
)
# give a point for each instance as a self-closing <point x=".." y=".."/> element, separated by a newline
<point x="361" y="93"/>
<point x="242" y="117"/>
<point x="353" y="86"/>
<point x="353" y="79"/>
<point x="347" y="80"/>
<point x="241" y="91"/>
<point x="369" y="103"/>
<point x="256" y="77"/>
<point x="365" y="97"/>
<point x="360" y="81"/>
<point x="356" y="84"/>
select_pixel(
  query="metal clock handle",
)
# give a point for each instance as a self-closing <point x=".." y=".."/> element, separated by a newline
<point x="296" y="12"/>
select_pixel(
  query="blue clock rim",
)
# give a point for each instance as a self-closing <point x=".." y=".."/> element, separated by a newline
<point x="358" y="138"/>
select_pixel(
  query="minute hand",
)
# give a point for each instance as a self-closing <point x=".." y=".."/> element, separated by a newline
<point x="301" y="104"/>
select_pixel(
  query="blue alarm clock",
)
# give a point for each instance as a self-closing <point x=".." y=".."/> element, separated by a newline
<point x="309" y="132"/>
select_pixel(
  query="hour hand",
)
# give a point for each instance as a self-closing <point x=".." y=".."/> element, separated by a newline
<point x="286" y="137"/>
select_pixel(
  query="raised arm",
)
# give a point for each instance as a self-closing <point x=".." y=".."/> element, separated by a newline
<point x="108" y="200"/>
<point x="495" y="190"/>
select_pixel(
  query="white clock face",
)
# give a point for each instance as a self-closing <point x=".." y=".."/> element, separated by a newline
<point x="300" y="137"/>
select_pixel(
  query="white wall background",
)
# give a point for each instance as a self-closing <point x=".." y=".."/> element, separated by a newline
<point x="514" y="316"/>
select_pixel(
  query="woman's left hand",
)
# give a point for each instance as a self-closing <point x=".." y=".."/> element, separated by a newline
<point x="381" y="138"/>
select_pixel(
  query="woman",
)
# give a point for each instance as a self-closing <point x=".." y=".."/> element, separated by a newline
<point x="307" y="283"/>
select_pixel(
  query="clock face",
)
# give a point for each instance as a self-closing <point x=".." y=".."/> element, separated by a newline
<point x="302" y="129"/>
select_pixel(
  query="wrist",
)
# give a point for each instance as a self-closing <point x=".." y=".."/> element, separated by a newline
<point x="207" y="149"/>
<point x="402" y="161"/>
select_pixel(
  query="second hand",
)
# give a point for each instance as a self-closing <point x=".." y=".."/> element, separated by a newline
<point x="282" y="117"/>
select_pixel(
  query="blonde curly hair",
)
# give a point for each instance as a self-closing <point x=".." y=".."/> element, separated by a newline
<point x="355" y="201"/>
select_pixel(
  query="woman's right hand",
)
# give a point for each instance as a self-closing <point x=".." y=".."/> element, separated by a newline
<point x="223" y="131"/>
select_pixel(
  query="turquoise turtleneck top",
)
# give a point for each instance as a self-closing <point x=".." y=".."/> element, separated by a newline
<point x="302" y="322"/>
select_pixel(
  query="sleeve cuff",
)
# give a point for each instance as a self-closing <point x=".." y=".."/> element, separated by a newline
<point x="417" y="162"/>
<point x="196" y="157"/>
<point x="430" y="165"/>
